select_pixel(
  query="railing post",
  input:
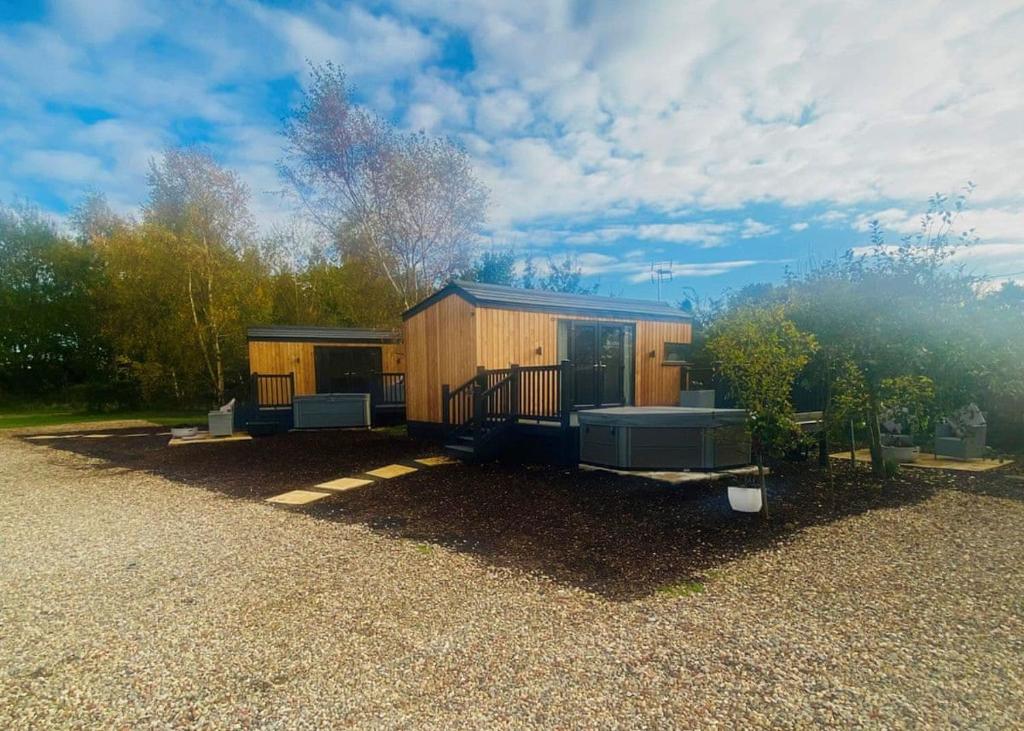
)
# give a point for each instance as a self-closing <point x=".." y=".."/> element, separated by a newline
<point x="446" y="406"/>
<point x="513" y="407"/>
<point x="479" y="410"/>
<point x="565" y="386"/>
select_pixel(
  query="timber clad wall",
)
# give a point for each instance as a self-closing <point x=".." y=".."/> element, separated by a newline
<point x="447" y="341"/>
<point x="285" y="356"/>
<point x="658" y="384"/>
<point x="441" y="348"/>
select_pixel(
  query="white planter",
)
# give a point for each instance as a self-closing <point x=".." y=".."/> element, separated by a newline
<point x="184" y="432"/>
<point x="900" y="455"/>
<point x="745" y="499"/>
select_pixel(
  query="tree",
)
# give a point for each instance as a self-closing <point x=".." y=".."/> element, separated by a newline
<point x="50" y="338"/>
<point x="896" y="311"/>
<point x="409" y="203"/>
<point x="760" y="352"/>
<point x="493" y="267"/>
<point x="205" y="208"/>
<point x="562" y="275"/>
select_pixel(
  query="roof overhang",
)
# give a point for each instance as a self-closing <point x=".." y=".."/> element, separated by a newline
<point x="299" y="334"/>
<point x="571" y="305"/>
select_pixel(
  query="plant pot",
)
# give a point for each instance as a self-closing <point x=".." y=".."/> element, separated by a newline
<point x="899" y="455"/>
<point x="745" y="499"/>
<point x="184" y="432"/>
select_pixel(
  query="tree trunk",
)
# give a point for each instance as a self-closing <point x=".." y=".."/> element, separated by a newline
<point x="764" y="489"/>
<point x="875" y="432"/>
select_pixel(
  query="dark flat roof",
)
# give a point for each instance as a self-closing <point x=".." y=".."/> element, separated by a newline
<point x="514" y="298"/>
<point x="299" y="333"/>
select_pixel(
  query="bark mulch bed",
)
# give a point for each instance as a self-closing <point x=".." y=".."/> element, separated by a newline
<point x="619" y="537"/>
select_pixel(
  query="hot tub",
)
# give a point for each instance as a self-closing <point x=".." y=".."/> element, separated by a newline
<point x="664" y="438"/>
<point x="331" y="410"/>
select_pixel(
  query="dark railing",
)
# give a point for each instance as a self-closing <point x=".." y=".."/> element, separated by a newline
<point x="492" y="406"/>
<point x="273" y="390"/>
<point x="532" y="393"/>
<point x="541" y="390"/>
<point x="457" y="405"/>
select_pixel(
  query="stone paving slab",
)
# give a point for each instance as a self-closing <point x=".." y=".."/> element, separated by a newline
<point x="434" y="461"/>
<point x="344" y="483"/>
<point x="205" y="438"/>
<point x="298" y="497"/>
<point x="391" y="470"/>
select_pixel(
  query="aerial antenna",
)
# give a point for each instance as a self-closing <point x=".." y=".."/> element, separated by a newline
<point x="661" y="272"/>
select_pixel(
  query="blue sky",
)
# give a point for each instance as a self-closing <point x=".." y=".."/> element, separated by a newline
<point x="731" y="139"/>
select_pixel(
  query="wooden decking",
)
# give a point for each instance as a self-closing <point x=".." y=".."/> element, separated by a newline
<point x="930" y="461"/>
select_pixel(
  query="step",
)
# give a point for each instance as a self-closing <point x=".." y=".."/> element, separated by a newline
<point x="461" y="448"/>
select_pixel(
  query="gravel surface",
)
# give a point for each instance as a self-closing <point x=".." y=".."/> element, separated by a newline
<point x="131" y="599"/>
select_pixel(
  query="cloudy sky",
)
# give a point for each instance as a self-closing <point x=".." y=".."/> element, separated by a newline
<point x="732" y="139"/>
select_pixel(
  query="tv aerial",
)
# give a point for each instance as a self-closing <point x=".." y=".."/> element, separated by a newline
<point x="661" y="272"/>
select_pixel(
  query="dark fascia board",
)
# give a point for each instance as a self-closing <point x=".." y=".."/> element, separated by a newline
<point x="562" y="309"/>
<point x="299" y="334"/>
<point x="450" y="288"/>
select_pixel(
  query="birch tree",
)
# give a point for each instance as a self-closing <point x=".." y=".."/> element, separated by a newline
<point x="409" y="203"/>
<point x="206" y="208"/>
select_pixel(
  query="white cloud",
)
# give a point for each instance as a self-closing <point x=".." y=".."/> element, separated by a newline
<point x="101" y="21"/>
<point x="799" y="226"/>
<point x="755" y="229"/>
<point x="62" y="165"/>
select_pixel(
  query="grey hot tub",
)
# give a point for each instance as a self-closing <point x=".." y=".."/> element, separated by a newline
<point x="332" y="410"/>
<point x="664" y="438"/>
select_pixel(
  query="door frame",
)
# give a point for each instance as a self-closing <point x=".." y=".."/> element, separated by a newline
<point x="628" y="330"/>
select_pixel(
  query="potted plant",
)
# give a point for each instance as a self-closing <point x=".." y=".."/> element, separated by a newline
<point x="905" y="413"/>
<point x="184" y="431"/>
<point x="761" y="352"/>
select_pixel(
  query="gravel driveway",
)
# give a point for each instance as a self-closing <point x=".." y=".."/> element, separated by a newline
<point x="128" y="599"/>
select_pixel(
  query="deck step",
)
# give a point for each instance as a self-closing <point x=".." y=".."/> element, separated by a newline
<point x="465" y="452"/>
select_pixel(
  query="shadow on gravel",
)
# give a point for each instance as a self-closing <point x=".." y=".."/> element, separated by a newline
<point x="621" y="538"/>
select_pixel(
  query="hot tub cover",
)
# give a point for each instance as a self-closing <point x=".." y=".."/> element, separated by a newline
<point x="662" y="416"/>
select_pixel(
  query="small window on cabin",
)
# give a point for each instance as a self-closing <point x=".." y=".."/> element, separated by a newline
<point x="677" y="352"/>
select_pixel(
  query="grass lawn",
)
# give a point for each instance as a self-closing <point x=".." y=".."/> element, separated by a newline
<point x="12" y="417"/>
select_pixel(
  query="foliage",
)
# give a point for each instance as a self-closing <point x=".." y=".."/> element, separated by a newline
<point x="908" y="401"/>
<point x="559" y="275"/>
<point x="49" y="333"/>
<point x="493" y="267"/>
<point x="409" y="203"/>
<point x="760" y="352"/>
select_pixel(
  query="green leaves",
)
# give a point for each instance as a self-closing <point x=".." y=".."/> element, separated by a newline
<point x="760" y="352"/>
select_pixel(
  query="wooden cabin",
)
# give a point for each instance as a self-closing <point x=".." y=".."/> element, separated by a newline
<point x="287" y="361"/>
<point x="568" y="352"/>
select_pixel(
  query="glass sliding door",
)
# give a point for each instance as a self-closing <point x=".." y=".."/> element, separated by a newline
<point x="601" y="356"/>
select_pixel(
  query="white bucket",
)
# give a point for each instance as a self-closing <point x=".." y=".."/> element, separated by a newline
<point x="745" y="499"/>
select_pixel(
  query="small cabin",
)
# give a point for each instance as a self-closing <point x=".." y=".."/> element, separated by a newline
<point x="287" y="361"/>
<point x="535" y="356"/>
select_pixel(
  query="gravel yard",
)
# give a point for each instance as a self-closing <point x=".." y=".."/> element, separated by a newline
<point x="145" y="586"/>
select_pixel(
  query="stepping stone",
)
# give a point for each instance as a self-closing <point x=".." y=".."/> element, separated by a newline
<point x="435" y="461"/>
<point x="96" y="436"/>
<point x="392" y="470"/>
<point x="344" y="483"/>
<point x="298" y="497"/>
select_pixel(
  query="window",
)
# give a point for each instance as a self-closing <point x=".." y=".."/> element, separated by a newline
<point x="677" y="352"/>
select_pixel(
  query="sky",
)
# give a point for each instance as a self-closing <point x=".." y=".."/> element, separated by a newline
<point x="725" y="141"/>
